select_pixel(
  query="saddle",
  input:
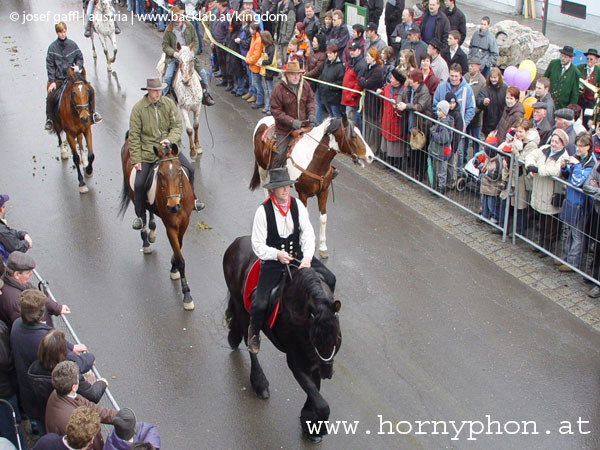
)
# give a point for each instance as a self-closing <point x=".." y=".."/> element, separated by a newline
<point x="250" y="289"/>
<point x="151" y="182"/>
<point x="268" y="138"/>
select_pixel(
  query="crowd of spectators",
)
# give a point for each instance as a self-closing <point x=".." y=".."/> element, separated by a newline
<point x="44" y="377"/>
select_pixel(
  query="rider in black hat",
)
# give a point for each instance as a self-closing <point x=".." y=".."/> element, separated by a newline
<point x="281" y="234"/>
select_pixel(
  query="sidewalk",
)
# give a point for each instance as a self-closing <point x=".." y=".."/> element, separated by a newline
<point x="566" y="289"/>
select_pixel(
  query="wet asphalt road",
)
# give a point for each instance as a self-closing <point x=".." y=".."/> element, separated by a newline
<point x="432" y="331"/>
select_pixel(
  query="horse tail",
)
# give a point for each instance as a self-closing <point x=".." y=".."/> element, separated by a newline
<point x="235" y="336"/>
<point x="255" y="181"/>
<point x="124" y="199"/>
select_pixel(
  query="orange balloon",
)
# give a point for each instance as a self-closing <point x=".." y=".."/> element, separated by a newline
<point x="528" y="106"/>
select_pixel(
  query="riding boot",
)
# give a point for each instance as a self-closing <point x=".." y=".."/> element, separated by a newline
<point x="253" y="340"/>
<point x="88" y="29"/>
<point x="279" y="158"/>
<point x="117" y="29"/>
<point x="206" y="97"/>
<point x="334" y="172"/>
<point x="49" y="124"/>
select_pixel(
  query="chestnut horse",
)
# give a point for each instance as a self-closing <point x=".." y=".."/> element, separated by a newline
<point x="75" y="119"/>
<point x="307" y="330"/>
<point x="174" y="203"/>
<point x="310" y="161"/>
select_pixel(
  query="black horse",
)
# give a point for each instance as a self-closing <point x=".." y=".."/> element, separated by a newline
<point x="307" y="330"/>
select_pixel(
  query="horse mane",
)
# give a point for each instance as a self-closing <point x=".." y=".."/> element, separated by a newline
<point x="304" y="295"/>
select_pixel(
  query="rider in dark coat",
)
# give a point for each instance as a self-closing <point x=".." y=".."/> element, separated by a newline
<point x="281" y="234"/>
<point x="62" y="54"/>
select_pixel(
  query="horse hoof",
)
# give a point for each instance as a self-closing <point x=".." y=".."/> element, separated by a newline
<point x="314" y="439"/>
<point x="193" y="157"/>
<point x="199" y="151"/>
<point x="175" y="275"/>
<point x="83" y="189"/>
<point x="324" y="254"/>
<point x="64" y="155"/>
<point x="188" y="306"/>
<point x="152" y="236"/>
<point x="147" y="250"/>
<point x="264" y="395"/>
<point x="89" y="175"/>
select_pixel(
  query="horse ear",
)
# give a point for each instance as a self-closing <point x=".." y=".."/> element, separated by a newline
<point x="175" y="149"/>
<point x="156" y="151"/>
<point x="178" y="47"/>
<point x="344" y="120"/>
<point x="337" y="305"/>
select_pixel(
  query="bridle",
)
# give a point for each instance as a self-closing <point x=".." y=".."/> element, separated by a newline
<point x="78" y="107"/>
<point x="180" y="193"/>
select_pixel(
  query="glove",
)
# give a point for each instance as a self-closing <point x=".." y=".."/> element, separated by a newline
<point x="313" y="120"/>
<point x="531" y="169"/>
<point x="296" y="124"/>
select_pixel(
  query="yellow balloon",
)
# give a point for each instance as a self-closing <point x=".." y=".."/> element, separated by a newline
<point x="528" y="106"/>
<point x="530" y="66"/>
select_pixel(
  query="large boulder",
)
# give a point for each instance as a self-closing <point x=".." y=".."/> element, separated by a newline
<point x="517" y="42"/>
<point x="541" y="64"/>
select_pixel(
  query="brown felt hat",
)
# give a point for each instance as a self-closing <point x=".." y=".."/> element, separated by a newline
<point x="154" y="84"/>
<point x="293" y="67"/>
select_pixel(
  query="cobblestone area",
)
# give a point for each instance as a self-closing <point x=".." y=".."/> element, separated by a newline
<point x="567" y="289"/>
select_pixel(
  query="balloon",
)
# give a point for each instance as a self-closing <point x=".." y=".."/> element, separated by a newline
<point x="528" y="106"/>
<point x="522" y="79"/>
<point x="509" y="75"/>
<point x="530" y="66"/>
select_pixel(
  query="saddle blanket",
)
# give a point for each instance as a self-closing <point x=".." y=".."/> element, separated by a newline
<point x="250" y="287"/>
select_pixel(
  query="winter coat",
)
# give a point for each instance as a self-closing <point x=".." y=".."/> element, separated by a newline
<point x="340" y="37"/>
<point x="356" y="67"/>
<point x="476" y="85"/>
<point x="169" y="42"/>
<point x="221" y="27"/>
<point x="311" y="27"/>
<point x="458" y="22"/>
<point x="62" y="55"/>
<point x="234" y="66"/>
<point x="40" y="381"/>
<point x="346" y="55"/>
<point x="378" y="44"/>
<point x="544" y="128"/>
<point x="431" y="82"/>
<point x="563" y="88"/>
<point x="485" y="46"/>
<point x="493" y="111"/>
<point x="401" y="31"/>
<point x="440" y="68"/>
<point x="333" y="72"/>
<point x="8" y="376"/>
<point x="464" y="98"/>
<point x="10" y="309"/>
<point x="543" y="184"/>
<point x="391" y="118"/>
<point x="458" y="125"/>
<point x="245" y="39"/>
<point x="520" y="150"/>
<point x="12" y="240"/>
<point x="314" y="66"/>
<point x="269" y="60"/>
<point x="284" y="28"/>
<point x="490" y="176"/>
<point x="24" y="342"/>
<point x="509" y="118"/>
<point x="393" y="13"/>
<point x="374" y="10"/>
<point x="60" y="407"/>
<point x="286" y="107"/>
<point x="254" y="53"/>
<point x="439" y="138"/>
<point x="144" y="432"/>
<point x="421" y="101"/>
<point x="149" y="124"/>
<point x="591" y="190"/>
<point x="441" y="28"/>
<point x="576" y="172"/>
<point x="460" y="58"/>
<point x="372" y="78"/>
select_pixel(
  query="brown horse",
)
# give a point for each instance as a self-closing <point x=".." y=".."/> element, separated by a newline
<point x="310" y="161"/>
<point x="174" y="203"/>
<point x="75" y="119"/>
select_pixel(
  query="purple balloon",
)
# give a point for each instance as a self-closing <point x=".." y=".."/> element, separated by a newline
<point x="522" y="79"/>
<point x="509" y="75"/>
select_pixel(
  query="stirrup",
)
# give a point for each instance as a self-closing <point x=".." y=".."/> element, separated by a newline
<point x="253" y="341"/>
<point x="49" y="125"/>
<point x="96" y="118"/>
<point x="198" y="205"/>
<point x="137" y="224"/>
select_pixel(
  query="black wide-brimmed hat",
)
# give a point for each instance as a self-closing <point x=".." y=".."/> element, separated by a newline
<point x="279" y="178"/>
<point x="568" y="50"/>
<point x="592" y="51"/>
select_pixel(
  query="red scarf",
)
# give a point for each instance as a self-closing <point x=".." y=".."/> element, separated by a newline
<point x="283" y="210"/>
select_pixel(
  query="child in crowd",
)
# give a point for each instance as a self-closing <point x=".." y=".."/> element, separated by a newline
<point x="488" y="164"/>
<point x="439" y="146"/>
<point x="294" y="53"/>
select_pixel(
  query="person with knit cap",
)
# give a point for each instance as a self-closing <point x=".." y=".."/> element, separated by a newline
<point x="128" y="430"/>
<point x="543" y="164"/>
<point x="439" y="149"/>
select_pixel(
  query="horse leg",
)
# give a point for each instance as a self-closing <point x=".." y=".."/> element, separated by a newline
<point x="89" y="169"/>
<point x="178" y="263"/>
<point x="322" y="200"/>
<point x="62" y="146"/>
<point x="146" y="249"/>
<point x="258" y="380"/>
<point x="114" y="46"/>
<point x="71" y="140"/>
<point x="152" y="226"/>
<point x="104" y="42"/>
<point x="310" y="418"/>
<point x="93" y="45"/>
<point x="188" y="128"/>
<point x="196" y="125"/>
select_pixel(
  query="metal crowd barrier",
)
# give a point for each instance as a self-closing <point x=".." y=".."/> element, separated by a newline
<point x="571" y="239"/>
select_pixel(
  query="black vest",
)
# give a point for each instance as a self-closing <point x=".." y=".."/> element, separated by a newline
<point x="291" y="243"/>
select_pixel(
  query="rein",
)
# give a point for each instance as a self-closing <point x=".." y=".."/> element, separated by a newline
<point x="180" y="193"/>
<point x="77" y="106"/>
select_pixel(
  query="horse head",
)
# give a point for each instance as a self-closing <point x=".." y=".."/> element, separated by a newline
<point x="104" y="7"/>
<point x="349" y="141"/>
<point x="170" y="176"/>
<point x="186" y="63"/>
<point x="79" y="94"/>
<point x="318" y="312"/>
